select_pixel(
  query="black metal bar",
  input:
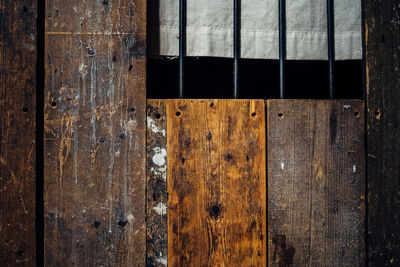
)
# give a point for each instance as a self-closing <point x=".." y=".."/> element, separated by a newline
<point x="282" y="47"/>
<point x="236" y="46"/>
<point x="182" y="46"/>
<point x="331" y="45"/>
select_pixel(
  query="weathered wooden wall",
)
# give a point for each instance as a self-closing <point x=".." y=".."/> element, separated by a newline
<point x="382" y="58"/>
<point x="216" y="182"/>
<point x="95" y="149"/>
<point x="316" y="183"/>
<point x="17" y="132"/>
<point x="94" y="112"/>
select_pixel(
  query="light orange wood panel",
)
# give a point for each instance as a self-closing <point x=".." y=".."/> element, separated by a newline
<point x="216" y="182"/>
<point x="316" y="183"/>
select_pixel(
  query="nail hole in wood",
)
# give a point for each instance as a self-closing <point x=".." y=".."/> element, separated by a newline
<point x="178" y="113"/>
<point x="280" y="115"/>
<point x="356" y="114"/>
<point x="53" y="104"/>
<point x="158" y="116"/>
<point x="25" y="109"/>
<point x="253" y="114"/>
<point x="132" y="109"/>
<point x="228" y="157"/>
<point x="183" y="161"/>
<point x="215" y="211"/>
<point x="121" y="136"/>
<point x="96" y="224"/>
<point x="211" y="104"/>
<point x="209" y="136"/>
<point x="90" y="53"/>
<point x="122" y="223"/>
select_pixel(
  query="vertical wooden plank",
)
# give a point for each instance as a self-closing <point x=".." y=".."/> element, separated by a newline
<point x="382" y="58"/>
<point x="316" y="182"/>
<point x="216" y="183"/>
<point x="157" y="196"/>
<point x="17" y="132"/>
<point x="95" y="133"/>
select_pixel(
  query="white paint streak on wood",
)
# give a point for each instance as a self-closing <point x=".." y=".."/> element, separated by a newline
<point x="160" y="171"/>
<point x="162" y="261"/>
<point x="161" y="209"/>
<point x="159" y="157"/>
<point x="130" y="218"/>
<point x="151" y="124"/>
<point x="83" y="69"/>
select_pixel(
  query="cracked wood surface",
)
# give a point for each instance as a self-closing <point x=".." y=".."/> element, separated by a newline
<point x="216" y="182"/>
<point x="316" y="183"/>
<point x="17" y="133"/>
<point x="94" y="112"/>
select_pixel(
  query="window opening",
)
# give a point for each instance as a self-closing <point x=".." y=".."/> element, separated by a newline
<point x="208" y="77"/>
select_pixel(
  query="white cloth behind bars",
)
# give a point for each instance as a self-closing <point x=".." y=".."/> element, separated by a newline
<point x="209" y="28"/>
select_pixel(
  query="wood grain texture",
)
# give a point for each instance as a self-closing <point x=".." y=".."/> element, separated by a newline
<point x="316" y="182"/>
<point x="94" y="187"/>
<point x="382" y="58"/>
<point x="157" y="196"/>
<point x="216" y="183"/>
<point x="17" y="132"/>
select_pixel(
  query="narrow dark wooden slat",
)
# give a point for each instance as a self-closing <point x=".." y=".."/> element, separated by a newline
<point x="17" y="133"/>
<point x="382" y="61"/>
<point x="316" y="183"/>
<point x="94" y="185"/>
<point x="216" y="182"/>
<point x="157" y="196"/>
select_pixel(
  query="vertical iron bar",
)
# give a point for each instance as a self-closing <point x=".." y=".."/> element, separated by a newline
<point x="331" y="45"/>
<point x="282" y="47"/>
<point x="236" y="46"/>
<point x="182" y="45"/>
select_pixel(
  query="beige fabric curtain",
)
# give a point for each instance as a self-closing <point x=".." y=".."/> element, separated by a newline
<point x="209" y="28"/>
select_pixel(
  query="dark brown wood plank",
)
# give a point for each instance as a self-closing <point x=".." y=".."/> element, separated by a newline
<point x="316" y="183"/>
<point x="382" y="58"/>
<point x="157" y="196"/>
<point x="95" y="133"/>
<point x="17" y="133"/>
<point x="216" y="183"/>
